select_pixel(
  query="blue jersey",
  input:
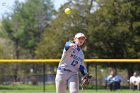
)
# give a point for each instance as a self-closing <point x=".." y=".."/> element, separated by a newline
<point x="72" y="59"/>
<point x="115" y="78"/>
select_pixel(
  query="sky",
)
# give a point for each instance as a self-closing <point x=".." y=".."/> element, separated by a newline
<point x="6" y="5"/>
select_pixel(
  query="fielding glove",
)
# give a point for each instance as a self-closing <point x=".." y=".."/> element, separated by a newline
<point x="86" y="79"/>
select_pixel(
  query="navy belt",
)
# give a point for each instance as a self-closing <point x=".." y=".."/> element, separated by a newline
<point x="60" y="68"/>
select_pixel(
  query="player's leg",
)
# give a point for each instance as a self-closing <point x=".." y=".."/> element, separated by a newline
<point x="111" y="86"/>
<point x="60" y="84"/>
<point x="74" y="84"/>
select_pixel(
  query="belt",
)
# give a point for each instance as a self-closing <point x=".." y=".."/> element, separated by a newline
<point x="60" y="68"/>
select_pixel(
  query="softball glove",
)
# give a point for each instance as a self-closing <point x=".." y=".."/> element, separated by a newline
<point x="86" y="80"/>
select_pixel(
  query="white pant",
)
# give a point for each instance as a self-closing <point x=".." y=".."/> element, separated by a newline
<point x="67" y="77"/>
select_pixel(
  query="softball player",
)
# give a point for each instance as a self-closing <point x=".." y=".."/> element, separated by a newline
<point x="71" y="62"/>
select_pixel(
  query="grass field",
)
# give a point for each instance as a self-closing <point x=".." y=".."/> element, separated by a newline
<point x="51" y="89"/>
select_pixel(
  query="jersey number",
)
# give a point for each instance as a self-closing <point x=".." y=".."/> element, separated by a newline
<point x="74" y="63"/>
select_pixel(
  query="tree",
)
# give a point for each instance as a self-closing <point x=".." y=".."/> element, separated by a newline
<point x="63" y="28"/>
<point x="24" y="28"/>
<point x="112" y="33"/>
<point x="35" y="22"/>
<point x="13" y="26"/>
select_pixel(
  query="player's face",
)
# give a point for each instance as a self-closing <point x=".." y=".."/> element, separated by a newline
<point x="80" y="41"/>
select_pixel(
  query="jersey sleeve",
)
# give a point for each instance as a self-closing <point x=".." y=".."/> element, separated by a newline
<point x="83" y="69"/>
<point x="67" y="45"/>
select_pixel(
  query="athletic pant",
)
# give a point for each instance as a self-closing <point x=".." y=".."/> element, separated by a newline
<point x="65" y="77"/>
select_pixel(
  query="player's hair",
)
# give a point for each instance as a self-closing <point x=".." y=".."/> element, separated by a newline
<point x="72" y="40"/>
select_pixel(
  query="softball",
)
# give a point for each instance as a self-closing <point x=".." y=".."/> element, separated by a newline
<point x="67" y="11"/>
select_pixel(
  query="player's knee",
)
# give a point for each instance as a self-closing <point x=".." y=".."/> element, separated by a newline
<point x="74" y="91"/>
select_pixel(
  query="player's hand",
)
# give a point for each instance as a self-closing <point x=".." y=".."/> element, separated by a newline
<point x="86" y="79"/>
<point x="72" y="45"/>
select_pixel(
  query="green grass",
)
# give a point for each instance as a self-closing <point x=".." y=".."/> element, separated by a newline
<point x="51" y="89"/>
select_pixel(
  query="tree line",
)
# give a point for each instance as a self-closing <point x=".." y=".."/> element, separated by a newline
<point x="35" y="30"/>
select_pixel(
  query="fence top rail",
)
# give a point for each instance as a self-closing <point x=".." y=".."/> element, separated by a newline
<point x="57" y="60"/>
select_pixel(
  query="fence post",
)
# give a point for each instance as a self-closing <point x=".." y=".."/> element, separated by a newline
<point x="44" y="68"/>
<point x="96" y="76"/>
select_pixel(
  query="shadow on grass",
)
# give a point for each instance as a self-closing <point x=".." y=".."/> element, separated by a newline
<point x="19" y="87"/>
<point x="10" y="88"/>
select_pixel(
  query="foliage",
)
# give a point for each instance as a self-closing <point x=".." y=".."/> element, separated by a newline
<point x="110" y="32"/>
<point x="112" y="28"/>
<point x="62" y="29"/>
<point x="26" y="26"/>
<point x="35" y="22"/>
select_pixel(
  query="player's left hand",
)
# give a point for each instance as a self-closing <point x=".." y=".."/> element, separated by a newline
<point x="86" y="79"/>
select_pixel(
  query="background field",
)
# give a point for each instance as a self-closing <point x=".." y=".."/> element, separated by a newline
<point x="34" y="29"/>
<point x="51" y="89"/>
<point x="81" y="91"/>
